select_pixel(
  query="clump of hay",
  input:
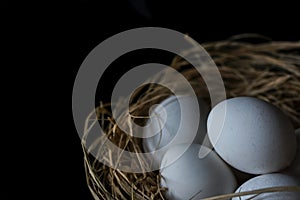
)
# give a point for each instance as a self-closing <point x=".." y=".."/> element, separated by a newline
<point x="268" y="70"/>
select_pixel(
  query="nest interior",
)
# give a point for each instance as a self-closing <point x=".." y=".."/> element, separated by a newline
<point x="267" y="70"/>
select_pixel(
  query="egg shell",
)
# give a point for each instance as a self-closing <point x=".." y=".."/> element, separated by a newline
<point x="267" y="181"/>
<point x="255" y="136"/>
<point x="173" y="116"/>
<point x="294" y="168"/>
<point x="191" y="177"/>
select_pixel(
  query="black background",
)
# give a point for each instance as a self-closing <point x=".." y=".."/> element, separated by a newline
<point x="62" y="33"/>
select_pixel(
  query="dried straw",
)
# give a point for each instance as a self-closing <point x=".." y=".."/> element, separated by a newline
<point x="268" y="70"/>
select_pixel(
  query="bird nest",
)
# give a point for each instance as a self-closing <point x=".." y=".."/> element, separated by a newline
<point x="268" y="70"/>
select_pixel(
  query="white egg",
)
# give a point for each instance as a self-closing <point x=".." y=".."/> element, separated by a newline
<point x="294" y="168"/>
<point x="180" y="121"/>
<point x="191" y="177"/>
<point x="256" y="137"/>
<point x="267" y="181"/>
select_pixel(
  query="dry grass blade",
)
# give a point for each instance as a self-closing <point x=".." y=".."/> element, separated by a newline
<point x="255" y="192"/>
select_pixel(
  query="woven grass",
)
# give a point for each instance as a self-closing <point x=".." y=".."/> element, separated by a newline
<point x="268" y="70"/>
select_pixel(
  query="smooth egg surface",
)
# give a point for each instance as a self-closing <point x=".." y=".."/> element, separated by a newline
<point x="253" y="136"/>
<point x="191" y="177"/>
<point x="175" y="118"/>
<point x="268" y="181"/>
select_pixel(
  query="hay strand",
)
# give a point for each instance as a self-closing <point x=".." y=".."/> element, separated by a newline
<point x="256" y="192"/>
